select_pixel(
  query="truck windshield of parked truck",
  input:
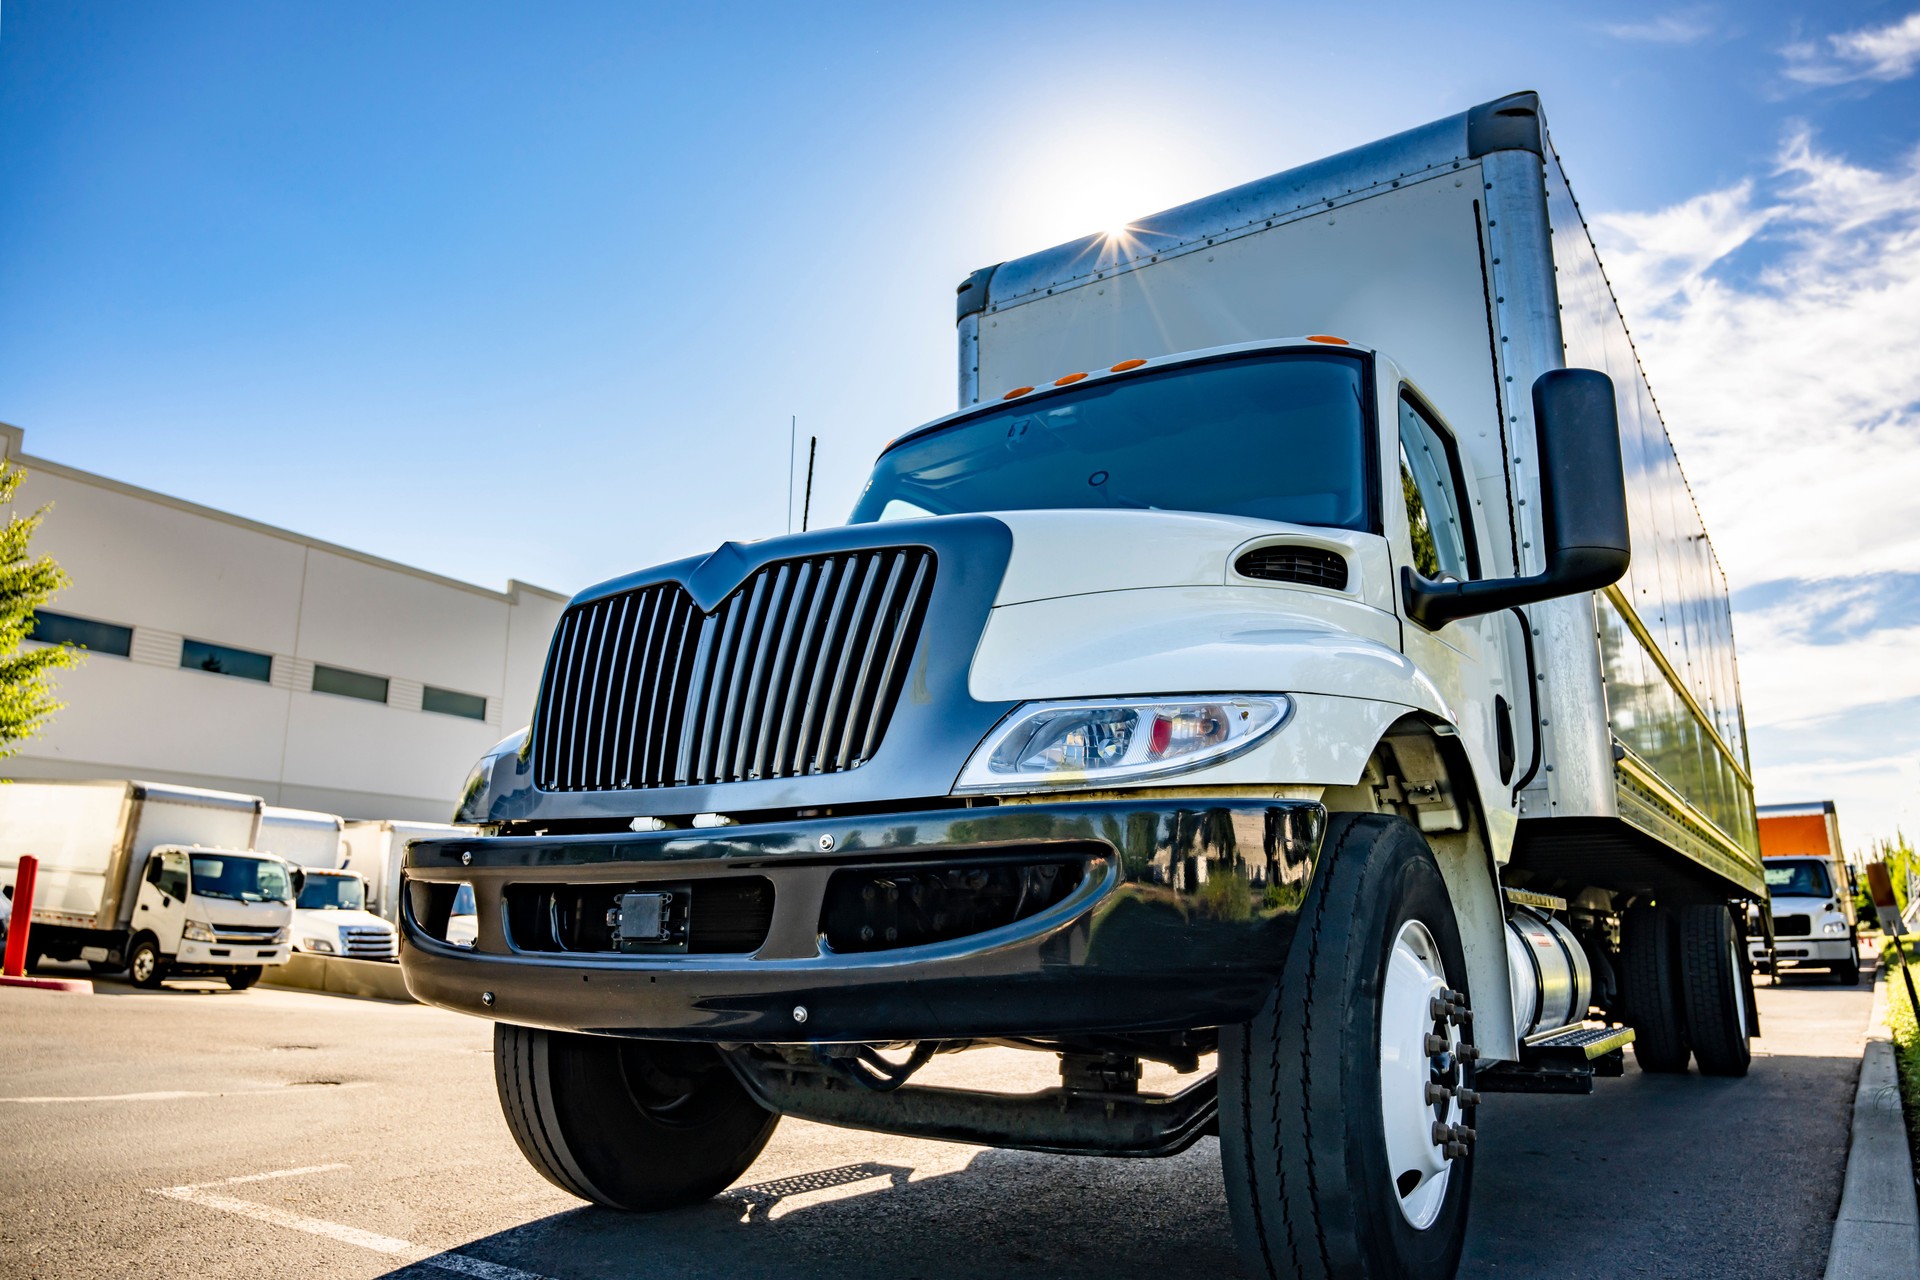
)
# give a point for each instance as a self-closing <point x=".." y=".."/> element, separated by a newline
<point x="1798" y="880"/>
<point x="1276" y="437"/>
<point x="224" y="875"/>
<point x="332" y="893"/>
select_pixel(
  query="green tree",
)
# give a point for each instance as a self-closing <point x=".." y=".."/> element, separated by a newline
<point x="26" y="582"/>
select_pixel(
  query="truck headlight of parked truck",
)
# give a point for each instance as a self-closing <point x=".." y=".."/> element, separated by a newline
<point x="1290" y="706"/>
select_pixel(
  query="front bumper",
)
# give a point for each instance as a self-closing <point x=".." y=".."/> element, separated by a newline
<point x="1794" y="952"/>
<point x="228" y="955"/>
<point x="1182" y="919"/>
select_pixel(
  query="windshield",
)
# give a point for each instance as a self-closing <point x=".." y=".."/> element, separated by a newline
<point x="332" y="893"/>
<point x="1277" y="437"/>
<point x="223" y="875"/>
<point x="1797" y="880"/>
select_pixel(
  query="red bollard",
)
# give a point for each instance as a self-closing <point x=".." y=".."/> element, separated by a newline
<point x="15" y="964"/>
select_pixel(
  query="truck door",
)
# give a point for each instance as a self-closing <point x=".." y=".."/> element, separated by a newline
<point x="162" y="907"/>
<point x="1432" y="528"/>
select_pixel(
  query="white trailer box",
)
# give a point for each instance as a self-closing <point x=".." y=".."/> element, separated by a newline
<point x="151" y="876"/>
<point x="302" y="836"/>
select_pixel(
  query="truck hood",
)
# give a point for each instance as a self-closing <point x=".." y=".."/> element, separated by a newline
<point x="1069" y="553"/>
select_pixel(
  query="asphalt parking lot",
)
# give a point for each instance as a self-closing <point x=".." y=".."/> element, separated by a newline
<point x="214" y="1133"/>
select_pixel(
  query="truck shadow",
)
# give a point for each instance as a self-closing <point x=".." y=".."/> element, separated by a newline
<point x="1003" y="1214"/>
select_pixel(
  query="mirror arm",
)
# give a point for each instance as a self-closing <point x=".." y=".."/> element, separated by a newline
<point x="1574" y="569"/>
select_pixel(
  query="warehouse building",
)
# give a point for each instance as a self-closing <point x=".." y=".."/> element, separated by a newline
<point x="230" y="654"/>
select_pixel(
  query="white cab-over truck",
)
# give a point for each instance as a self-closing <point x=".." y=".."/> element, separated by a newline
<point x="159" y="880"/>
<point x="1255" y="674"/>
<point x="330" y="915"/>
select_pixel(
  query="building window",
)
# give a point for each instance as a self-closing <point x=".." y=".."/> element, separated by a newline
<point x="349" y="684"/>
<point x="82" y="633"/>
<point x="449" y="703"/>
<point x="223" y="660"/>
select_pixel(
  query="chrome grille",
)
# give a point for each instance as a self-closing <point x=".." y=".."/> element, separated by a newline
<point x="794" y="673"/>
<point x="368" y="941"/>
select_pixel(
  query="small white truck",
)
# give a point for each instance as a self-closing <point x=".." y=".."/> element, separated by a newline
<point x="330" y="917"/>
<point x="1297" y="655"/>
<point x="1810" y="892"/>
<point x="159" y="880"/>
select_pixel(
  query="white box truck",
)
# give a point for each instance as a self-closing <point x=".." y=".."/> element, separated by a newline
<point x="330" y="916"/>
<point x="1298" y="653"/>
<point x="1810" y="888"/>
<point x="159" y="880"/>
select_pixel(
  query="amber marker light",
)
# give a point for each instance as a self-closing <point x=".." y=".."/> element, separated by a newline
<point x="1016" y="393"/>
<point x="1069" y="380"/>
<point x="1329" y="339"/>
<point x="1125" y="365"/>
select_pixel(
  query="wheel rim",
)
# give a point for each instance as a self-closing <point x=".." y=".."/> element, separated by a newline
<point x="142" y="965"/>
<point x="1739" y="987"/>
<point x="1417" y="1165"/>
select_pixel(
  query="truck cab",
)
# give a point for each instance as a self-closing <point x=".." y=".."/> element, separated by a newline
<point x="330" y="918"/>
<point x="1814" y="919"/>
<point x="207" y="912"/>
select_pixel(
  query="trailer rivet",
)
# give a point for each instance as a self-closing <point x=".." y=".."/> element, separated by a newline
<point x="486" y="998"/>
<point x="466" y="859"/>
<point x="799" y="1013"/>
<point x="826" y="843"/>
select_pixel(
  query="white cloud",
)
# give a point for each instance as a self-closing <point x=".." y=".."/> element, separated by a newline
<point x="1872" y="53"/>
<point x="1781" y="332"/>
<point x="1779" y="323"/>
<point x="1684" y="27"/>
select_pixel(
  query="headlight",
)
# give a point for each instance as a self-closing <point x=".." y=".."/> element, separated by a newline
<point x="1835" y="927"/>
<point x="316" y="944"/>
<point x="279" y="937"/>
<point x="194" y="931"/>
<point x="1092" y="743"/>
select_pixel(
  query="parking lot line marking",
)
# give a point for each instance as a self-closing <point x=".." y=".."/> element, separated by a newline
<point x="173" y="1095"/>
<point x="199" y="1193"/>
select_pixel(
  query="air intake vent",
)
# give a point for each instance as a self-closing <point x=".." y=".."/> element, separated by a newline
<point x="1309" y="565"/>
<point x="795" y="673"/>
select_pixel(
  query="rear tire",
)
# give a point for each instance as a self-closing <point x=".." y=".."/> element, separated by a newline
<point x="245" y="976"/>
<point x="1650" y="973"/>
<point x="637" y="1125"/>
<point x="145" y="965"/>
<point x="1326" y="1133"/>
<point x="1714" y="990"/>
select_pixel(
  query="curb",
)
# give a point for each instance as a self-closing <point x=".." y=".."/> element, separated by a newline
<point x="72" y="986"/>
<point x="1876" y="1235"/>
<point x="340" y="976"/>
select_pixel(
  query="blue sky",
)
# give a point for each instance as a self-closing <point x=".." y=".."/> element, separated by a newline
<point x="531" y="291"/>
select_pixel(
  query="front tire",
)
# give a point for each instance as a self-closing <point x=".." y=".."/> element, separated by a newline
<point x="1847" y="972"/>
<point x="637" y="1125"/>
<point x="1327" y="1124"/>
<point x="145" y="965"/>
<point x="242" y="978"/>
<point x="1714" y="990"/>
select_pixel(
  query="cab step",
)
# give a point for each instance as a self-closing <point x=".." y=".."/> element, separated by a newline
<point x="1563" y="1061"/>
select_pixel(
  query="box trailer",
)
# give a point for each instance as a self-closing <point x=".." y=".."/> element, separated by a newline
<point x="304" y="837"/>
<point x="156" y="879"/>
<point x="1298" y="655"/>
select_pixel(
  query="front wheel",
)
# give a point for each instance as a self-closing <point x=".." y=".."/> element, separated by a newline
<point x="1847" y="972"/>
<point x="145" y="965"/>
<point x="1344" y="1105"/>
<point x="243" y="977"/>
<point x="630" y="1124"/>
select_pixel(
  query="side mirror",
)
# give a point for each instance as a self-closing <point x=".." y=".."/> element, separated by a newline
<point x="1583" y="499"/>
<point x="299" y="879"/>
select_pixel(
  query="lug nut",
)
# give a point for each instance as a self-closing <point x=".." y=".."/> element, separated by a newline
<point x="1456" y="1150"/>
<point x="1468" y="1098"/>
<point x="1437" y="1093"/>
<point x="1436" y="1044"/>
